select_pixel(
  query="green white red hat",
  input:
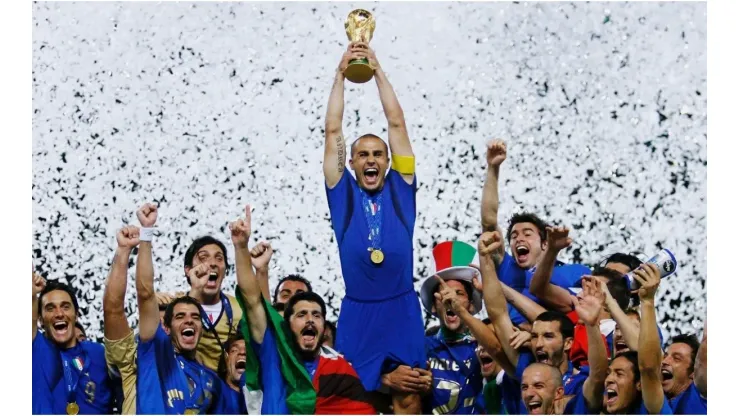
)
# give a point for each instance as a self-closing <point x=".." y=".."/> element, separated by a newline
<point x="451" y="260"/>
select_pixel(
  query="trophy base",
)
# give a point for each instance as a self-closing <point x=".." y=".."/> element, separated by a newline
<point x="359" y="71"/>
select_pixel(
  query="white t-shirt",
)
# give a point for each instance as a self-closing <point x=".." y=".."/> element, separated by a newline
<point x="213" y="311"/>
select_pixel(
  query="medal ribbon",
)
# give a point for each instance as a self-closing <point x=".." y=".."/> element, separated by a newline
<point x="196" y="376"/>
<point x="69" y="380"/>
<point x="374" y="220"/>
<point x="226" y="306"/>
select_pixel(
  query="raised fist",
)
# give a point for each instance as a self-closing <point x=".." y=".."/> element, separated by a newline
<point x="557" y="238"/>
<point x="147" y="215"/>
<point x="198" y="276"/>
<point x="128" y="236"/>
<point x="496" y="152"/>
<point x="261" y="255"/>
<point x="489" y="242"/>
<point x="241" y="229"/>
<point x="38" y="283"/>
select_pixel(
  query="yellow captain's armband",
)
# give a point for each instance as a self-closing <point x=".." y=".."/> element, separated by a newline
<point x="403" y="164"/>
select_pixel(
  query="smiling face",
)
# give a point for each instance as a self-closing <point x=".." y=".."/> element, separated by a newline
<point x="447" y="317"/>
<point x="211" y="255"/>
<point x="236" y="362"/>
<point x="548" y="345"/>
<point x="526" y="244"/>
<point x="621" y="388"/>
<point x="58" y="317"/>
<point x="677" y="369"/>
<point x="370" y="162"/>
<point x="307" y="324"/>
<point x="185" y="328"/>
<point x="541" y="388"/>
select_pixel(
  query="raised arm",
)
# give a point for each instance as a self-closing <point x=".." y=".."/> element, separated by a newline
<point x="145" y="294"/>
<point x="115" y="324"/>
<point x="540" y="286"/>
<point x="526" y="306"/>
<point x="493" y="294"/>
<point x="249" y="287"/>
<point x="495" y="156"/>
<point x="629" y="327"/>
<point x="398" y="136"/>
<point x="260" y="256"/>
<point x="589" y="305"/>
<point x="37" y="285"/>
<point x="335" y="148"/>
<point x="649" y="353"/>
<point x="700" y="366"/>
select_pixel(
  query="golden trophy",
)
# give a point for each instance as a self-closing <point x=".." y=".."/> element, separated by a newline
<point x="360" y="25"/>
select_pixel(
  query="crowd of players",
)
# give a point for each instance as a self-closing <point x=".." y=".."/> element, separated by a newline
<point x="559" y="338"/>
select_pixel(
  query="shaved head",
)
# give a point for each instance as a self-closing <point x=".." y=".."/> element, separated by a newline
<point x="554" y="372"/>
<point x="366" y="136"/>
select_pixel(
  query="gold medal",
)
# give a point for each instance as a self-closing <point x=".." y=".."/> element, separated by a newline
<point x="192" y="412"/>
<point x="376" y="256"/>
<point x="73" y="408"/>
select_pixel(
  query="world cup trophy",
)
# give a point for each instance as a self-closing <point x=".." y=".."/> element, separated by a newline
<point x="360" y="25"/>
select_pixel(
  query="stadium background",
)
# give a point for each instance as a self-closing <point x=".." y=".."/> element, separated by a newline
<point x="207" y="107"/>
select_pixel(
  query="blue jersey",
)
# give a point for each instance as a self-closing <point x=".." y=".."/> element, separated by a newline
<point x="364" y="280"/>
<point x="82" y="367"/>
<point x="577" y="406"/>
<point x="169" y="383"/>
<point x="457" y="380"/>
<point x="642" y="410"/>
<point x="563" y="275"/>
<point x="235" y="400"/>
<point x="689" y="402"/>
<point x="271" y="378"/>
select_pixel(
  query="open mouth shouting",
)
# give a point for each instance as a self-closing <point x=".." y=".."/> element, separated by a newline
<point x="451" y="317"/>
<point x="309" y="336"/>
<point x="611" y="396"/>
<point x="212" y="280"/>
<point x="188" y="336"/>
<point x="372" y="176"/>
<point x="522" y="253"/>
<point x="240" y="366"/>
<point x="534" y="407"/>
<point x="486" y="362"/>
<point x="542" y="357"/>
<point x="61" y="329"/>
<point x="667" y="374"/>
<point x="620" y="346"/>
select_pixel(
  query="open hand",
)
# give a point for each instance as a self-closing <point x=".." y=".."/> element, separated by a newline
<point x="557" y="238"/>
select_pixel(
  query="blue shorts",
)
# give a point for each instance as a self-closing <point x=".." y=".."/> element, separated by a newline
<point x="377" y="337"/>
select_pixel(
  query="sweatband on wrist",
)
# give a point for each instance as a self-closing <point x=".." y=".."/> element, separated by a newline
<point x="146" y="234"/>
<point x="403" y="164"/>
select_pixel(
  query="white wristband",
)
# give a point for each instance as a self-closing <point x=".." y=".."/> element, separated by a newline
<point x="146" y="234"/>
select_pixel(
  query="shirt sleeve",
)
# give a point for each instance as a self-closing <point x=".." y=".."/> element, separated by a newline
<point x="665" y="410"/>
<point x="340" y="202"/>
<point x="407" y="197"/>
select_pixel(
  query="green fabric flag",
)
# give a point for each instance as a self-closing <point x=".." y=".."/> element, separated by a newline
<point x="492" y="399"/>
<point x="301" y="396"/>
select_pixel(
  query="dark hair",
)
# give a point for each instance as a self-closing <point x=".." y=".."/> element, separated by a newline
<point x="629" y="260"/>
<point x="531" y="218"/>
<point x="432" y="330"/>
<point x="486" y="321"/>
<point x="198" y="244"/>
<point x="692" y="342"/>
<point x="333" y="328"/>
<point x="632" y="311"/>
<point x="366" y="136"/>
<point x="566" y="325"/>
<point x="171" y="308"/>
<point x="80" y="327"/>
<point x="290" y="278"/>
<point x="632" y="357"/>
<point x="617" y="285"/>
<point x="307" y="296"/>
<point x="53" y="285"/>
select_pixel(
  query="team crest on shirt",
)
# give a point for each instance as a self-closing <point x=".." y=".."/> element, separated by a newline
<point x="78" y="363"/>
